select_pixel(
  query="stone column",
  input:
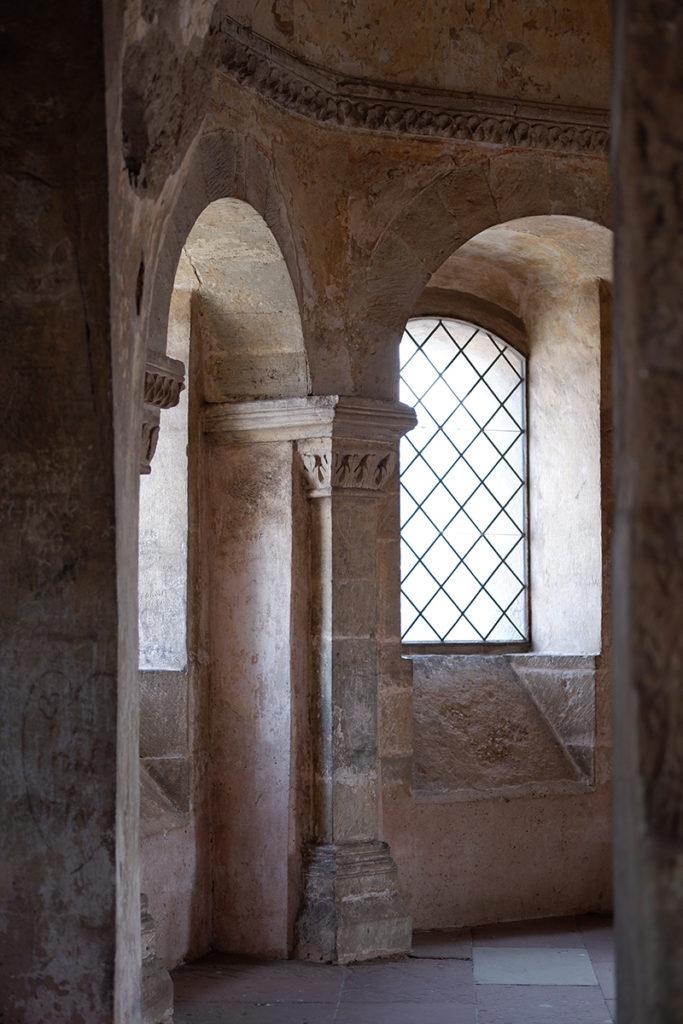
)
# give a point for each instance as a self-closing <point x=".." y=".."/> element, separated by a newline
<point x="351" y="907"/>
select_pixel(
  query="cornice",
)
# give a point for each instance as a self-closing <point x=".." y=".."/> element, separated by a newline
<point x="359" y="104"/>
<point x="317" y="416"/>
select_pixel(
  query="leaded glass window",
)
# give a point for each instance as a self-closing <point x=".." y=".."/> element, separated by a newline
<point x="463" y="487"/>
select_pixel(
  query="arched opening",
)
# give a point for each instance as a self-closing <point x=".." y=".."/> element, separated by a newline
<point x="511" y="752"/>
<point x="221" y="686"/>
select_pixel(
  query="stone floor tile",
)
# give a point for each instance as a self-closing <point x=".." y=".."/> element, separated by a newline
<point x="528" y="966"/>
<point x="232" y="980"/>
<point x="443" y="944"/>
<point x="597" y="933"/>
<point x="606" y="974"/>
<point x="410" y="981"/>
<point x="537" y="1004"/>
<point x="405" y="1013"/>
<point x="612" y="1007"/>
<point x="551" y="931"/>
<point x="254" y="1013"/>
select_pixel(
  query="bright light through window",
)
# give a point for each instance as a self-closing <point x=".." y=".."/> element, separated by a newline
<point x="463" y="487"/>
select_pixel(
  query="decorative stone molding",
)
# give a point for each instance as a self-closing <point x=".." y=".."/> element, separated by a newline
<point x="293" y="419"/>
<point x="164" y="380"/>
<point x="321" y="95"/>
<point x="151" y="418"/>
<point x="343" y="442"/>
<point x="357" y="470"/>
<point x="277" y="419"/>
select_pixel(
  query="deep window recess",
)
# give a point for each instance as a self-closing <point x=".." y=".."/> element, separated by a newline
<point x="463" y="487"/>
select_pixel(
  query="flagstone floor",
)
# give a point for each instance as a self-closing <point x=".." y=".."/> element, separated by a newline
<point x="554" y="971"/>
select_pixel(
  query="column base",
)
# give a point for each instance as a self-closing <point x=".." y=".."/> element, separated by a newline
<point x="351" y="907"/>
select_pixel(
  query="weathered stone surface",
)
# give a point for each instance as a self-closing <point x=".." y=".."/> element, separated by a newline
<point x="69" y="910"/>
<point x="563" y="688"/>
<point x="244" y="307"/>
<point x="251" y="691"/>
<point x="351" y="907"/>
<point x="157" y="987"/>
<point x="648" y="559"/>
<point x="163" y="714"/>
<point x="364" y="195"/>
<point x="477" y="729"/>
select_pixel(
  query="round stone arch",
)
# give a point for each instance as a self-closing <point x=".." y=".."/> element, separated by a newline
<point x="487" y="190"/>
<point x="224" y="266"/>
<point x="221" y="165"/>
<point x="560" y="318"/>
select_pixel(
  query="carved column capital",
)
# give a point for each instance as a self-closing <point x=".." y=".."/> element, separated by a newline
<point x="164" y="380"/>
<point x="331" y="465"/>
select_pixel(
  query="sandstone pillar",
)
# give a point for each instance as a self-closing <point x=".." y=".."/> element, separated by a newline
<point x="351" y="906"/>
<point x="345" y="450"/>
<point x="648" y="550"/>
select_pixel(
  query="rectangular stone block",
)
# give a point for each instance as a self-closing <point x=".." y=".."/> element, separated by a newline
<point x="163" y="713"/>
<point x="395" y="731"/>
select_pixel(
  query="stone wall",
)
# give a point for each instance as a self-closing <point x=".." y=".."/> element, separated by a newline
<point x="69" y="916"/>
<point x="648" y="567"/>
<point x="367" y="187"/>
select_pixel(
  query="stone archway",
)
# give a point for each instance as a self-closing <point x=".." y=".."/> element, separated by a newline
<point x="475" y="195"/>
<point x="218" y="737"/>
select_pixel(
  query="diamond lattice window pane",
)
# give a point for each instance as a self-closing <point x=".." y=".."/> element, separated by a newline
<point x="463" y="486"/>
<point x="484" y="613"/>
<point x="440" y="612"/>
<point x="419" y="533"/>
<point x="420" y="374"/>
<point x="503" y="482"/>
<point x="461" y="481"/>
<point x="440" y="451"/>
<point x="482" y="455"/>
<point x="408" y="506"/>
<point x="482" y="508"/>
<point x="441" y="560"/>
<point x="441" y="507"/>
<point x="503" y="380"/>
<point x="483" y="559"/>
<point x="419" y="586"/>
<point x="419" y="480"/>
<point x="482" y="403"/>
<point x="460" y="376"/>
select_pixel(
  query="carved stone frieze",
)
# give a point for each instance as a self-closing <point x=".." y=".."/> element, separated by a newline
<point x="149" y="438"/>
<point x="346" y="468"/>
<point x="164" y="380"/>
<point x="321" y="95"/>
